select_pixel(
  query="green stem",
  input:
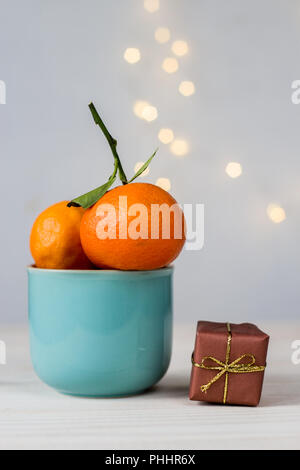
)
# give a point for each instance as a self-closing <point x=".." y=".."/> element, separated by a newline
<point x="111" y="141"/>
<point x="115" y="169"/>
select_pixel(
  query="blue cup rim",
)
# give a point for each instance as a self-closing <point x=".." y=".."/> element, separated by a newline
<point x="112" y="273"/>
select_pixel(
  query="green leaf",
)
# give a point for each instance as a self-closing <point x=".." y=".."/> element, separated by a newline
<point x="144" y="167"/>
<point x="89" y="199"/>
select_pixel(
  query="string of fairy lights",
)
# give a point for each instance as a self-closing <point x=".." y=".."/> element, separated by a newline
<point x="148" y="112"/>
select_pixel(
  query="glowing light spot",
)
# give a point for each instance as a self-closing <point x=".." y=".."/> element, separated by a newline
<point x="276" y="213"/>
<point x="145" y="110"/>
<point x="162" y="35"/>
<point x="234" y="169"/>
<point x="166" y="136"/>
<point x="180" y="48"/>
<point x="179" y="147"/>
<point x="151" y="5"/>
<point x="139" y="107"/>
<point x="138" y="166"/>
<point x="170" y="65"/>
<point x="164" y="183"/>
<point x="149" y="113"/>
<point x="187" y="88"/>
<point x="132" y="55"/>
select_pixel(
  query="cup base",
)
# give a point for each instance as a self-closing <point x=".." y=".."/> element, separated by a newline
<point x="126" y="395"/>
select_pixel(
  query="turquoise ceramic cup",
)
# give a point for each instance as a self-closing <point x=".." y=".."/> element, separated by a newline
<point x="100" y="333"/>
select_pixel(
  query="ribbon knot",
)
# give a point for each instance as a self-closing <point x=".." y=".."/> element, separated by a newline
<point x="234" y="367"/>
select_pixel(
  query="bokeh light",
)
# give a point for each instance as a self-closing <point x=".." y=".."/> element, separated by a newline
<point x="276" y="213"/>
<point x="151" y="5"/>
<point x="149" y="113"/>
<point x="132" y="55"/>
<point x="138" y="166"/>
<point x="164" y="183"/>
<point x="139" y="107"/>
<point x="166" y="136"/>
<point x="179" y="147"/>
<point x="170" y="65"/>
<point x="234" y="169"/>
<point x="180" y="48"/>
<point x="187" y="88"/>
<point x="162" y="35"/>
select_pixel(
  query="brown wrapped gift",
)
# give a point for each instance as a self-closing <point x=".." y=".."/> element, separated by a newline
<point x="228" y="363"/>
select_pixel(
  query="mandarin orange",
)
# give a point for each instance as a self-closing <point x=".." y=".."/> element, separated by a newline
<point x="126" y="229"/>
<point x="55" y="238"/>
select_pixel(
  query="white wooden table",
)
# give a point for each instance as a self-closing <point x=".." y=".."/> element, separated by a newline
<point x="32" y="416"/>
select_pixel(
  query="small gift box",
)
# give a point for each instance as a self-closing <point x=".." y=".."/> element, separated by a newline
<point x="228" y="363"/>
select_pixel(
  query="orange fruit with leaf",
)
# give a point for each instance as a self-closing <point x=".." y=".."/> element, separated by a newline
<point x="136" y="226"/>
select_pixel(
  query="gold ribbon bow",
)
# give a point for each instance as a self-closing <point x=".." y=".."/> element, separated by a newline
<point x="235" y="367"/>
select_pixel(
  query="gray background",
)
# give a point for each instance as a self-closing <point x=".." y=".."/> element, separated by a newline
<point x="57" y="55"/>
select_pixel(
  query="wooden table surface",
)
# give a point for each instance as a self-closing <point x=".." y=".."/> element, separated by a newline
<point x="32" y="416"/>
